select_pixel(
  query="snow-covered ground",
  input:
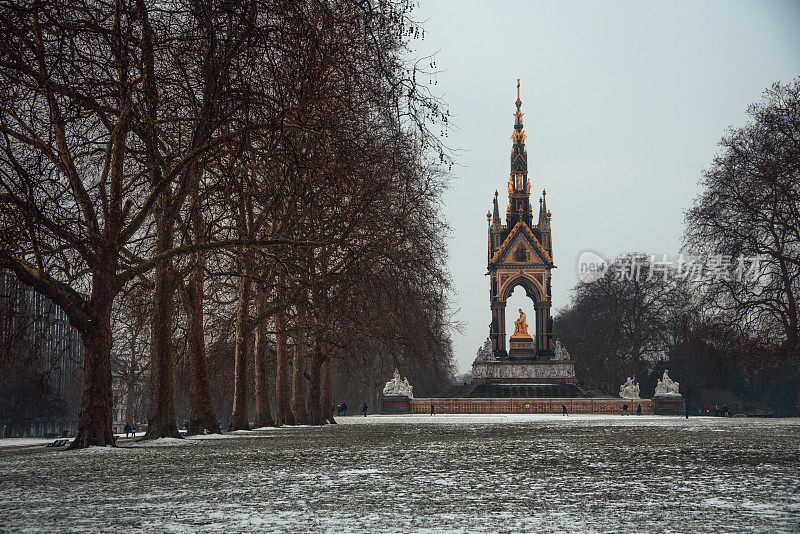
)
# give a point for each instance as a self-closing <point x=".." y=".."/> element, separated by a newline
<point x="24" y="442"/>
<point x="444" y="473"/>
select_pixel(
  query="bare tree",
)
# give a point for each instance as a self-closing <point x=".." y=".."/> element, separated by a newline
<point x="750" y="210"/>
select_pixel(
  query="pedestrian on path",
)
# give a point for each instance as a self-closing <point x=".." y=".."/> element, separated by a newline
<point x="639" y="410"/>
<point x="433" y="412"/>
<point x="564" y="409"/>
<point x="365" y="408"/>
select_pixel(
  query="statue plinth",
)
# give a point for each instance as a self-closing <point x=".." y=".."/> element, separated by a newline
<point x="397" y="395"/>
<point x="667" y="400"/>
<point x="522" y="347"/>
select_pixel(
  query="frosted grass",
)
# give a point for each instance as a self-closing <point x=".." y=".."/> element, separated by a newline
<point x="421" y="473"/>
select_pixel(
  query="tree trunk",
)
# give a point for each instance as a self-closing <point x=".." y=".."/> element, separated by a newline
<point x="282" y="391"/>
<point x="315" y="415"/>
<point x="130" y="384"/>
<point x="263" y="412"/>
<point x="161" y="416"/>
<point x="202" y="416"/>
<point x="797" y="363"/>
<point x="130" y="402"/>
<point x="299" y="372"/>
<point x="239" y="416"/>
<point x="326" y="396"/>
<point x="95" y="415"/>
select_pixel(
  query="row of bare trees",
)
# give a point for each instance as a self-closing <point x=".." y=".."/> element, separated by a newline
<point x="271" y="161"/>
<point x="750" y="207"/>
<point x="734" y="327"/>
<point x="617" y="326"/>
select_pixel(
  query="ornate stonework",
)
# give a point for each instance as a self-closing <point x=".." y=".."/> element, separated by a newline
<point x="523" y="372"/>
<point x="398" y="388"/>
<point x="629" y="390"/>
<point x="520" y="252"/>
<point x="666" y="387"/>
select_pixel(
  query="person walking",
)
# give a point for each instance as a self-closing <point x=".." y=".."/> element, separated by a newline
<point x="639" y="410"/>
<point x="625" y="409"/>
<point x="344" y="409"/>
<point x="564" y="409"/>
<point x="433" y="411"/>
<point x="365" y="408"/>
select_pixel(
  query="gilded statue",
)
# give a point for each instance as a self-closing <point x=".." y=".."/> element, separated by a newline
<point x="521" y="326"/>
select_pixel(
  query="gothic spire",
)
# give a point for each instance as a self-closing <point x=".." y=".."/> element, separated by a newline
<point x="540" y="211"/>
<point x="496" y="213"/>
<point x="518" y="119"/>
<point x="519" y="206"/>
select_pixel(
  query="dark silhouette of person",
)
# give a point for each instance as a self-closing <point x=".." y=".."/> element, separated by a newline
<point x="433" y="412"/>
<point x="625" y="409"/>
<point x="365" y="408"/>
<point x="344" y="408"/>
<point x="564" y="409"/>
<point x="639" y="410"/>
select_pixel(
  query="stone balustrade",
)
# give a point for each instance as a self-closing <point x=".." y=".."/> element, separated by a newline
<point x="574" y="406"/>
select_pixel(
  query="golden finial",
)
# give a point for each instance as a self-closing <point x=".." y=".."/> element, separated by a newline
<point x="519" y="102"/>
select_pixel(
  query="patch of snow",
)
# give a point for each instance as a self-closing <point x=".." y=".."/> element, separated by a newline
<point x="23" y="442"/>
<point x="211" y="436"/>
<point x="444" y="473"/>
<point x="160" y="442"/>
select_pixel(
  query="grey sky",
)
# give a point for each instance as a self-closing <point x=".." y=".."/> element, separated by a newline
<point x="624" y="105"/>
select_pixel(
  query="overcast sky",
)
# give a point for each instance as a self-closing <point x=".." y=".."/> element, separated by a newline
<point x="624" y="105"/>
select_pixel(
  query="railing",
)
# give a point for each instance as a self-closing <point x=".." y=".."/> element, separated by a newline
<point x="574" y="406"/>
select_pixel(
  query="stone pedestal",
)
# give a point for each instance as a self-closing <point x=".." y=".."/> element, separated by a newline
<point x="522" y="348"/>
<point x="669" y="405"/>
<point x="395" y="404"/>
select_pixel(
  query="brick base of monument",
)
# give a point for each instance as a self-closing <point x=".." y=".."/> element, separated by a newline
<point x="574" y="406"/>
<point x="395" y="405"/>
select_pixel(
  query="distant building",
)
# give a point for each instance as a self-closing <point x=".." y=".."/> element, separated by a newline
<point x="41" y="359"/>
